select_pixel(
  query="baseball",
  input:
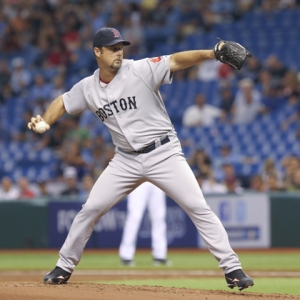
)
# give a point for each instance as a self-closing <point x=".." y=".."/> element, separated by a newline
<point x="41" y="127"/>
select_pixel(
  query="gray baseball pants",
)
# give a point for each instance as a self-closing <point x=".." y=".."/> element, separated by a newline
<point x="166" y="167"/>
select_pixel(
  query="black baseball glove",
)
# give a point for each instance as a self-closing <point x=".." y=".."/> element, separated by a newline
<point x="231" y="53"/>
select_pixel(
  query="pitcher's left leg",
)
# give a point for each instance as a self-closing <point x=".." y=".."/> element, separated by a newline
<point x="176" y="179"/>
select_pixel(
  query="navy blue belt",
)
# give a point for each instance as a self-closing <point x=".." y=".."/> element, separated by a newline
<point x="154" y="145"/>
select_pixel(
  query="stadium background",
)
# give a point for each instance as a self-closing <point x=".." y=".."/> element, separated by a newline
<point x="49" y="43"/>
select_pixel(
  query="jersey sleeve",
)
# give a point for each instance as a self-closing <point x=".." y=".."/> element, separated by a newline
<point x="154" y="71"/>
<point x="75" y="99"/>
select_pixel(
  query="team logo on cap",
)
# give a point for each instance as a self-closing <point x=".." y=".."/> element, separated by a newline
<point x="155" y="59"/>
<point x="116" y="33"/>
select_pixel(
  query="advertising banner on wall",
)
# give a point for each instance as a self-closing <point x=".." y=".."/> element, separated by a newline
<point x="246" y="219"/>
<point x="107" y="233"/>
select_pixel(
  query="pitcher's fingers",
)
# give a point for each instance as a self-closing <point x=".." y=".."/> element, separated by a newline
<point x="29" y="125"/>
<point x="33" y="121"/>
<point x="39" y="118"/>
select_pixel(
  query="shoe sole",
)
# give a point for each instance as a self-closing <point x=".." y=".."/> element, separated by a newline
<point x="51" y="281"/>
<point x="244" y="286"/>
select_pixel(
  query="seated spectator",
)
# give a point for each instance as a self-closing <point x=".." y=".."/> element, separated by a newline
<point x="20" y="77"/>
<point x="251" y="69"/>
<point x="22" y="134"/>
<point x="40" y="105"/>
<point x="70" y="177"/>
<point x="58" y="87"/>
<point x="290" y="165"/>
<point x="273" y="184"/>
<point x="200" y="114"/>
<point x="247" y="103"/>
<point x="209" y="185"/>
<point x="43" y="189"/>
<point x="40" y="88"/>
<point x="209" y="70"/>
<point x="230" y="180"/>
<point x="275" y="67"/>
<point x="226" y="103"/>
<point x="7" y="190"/>
<point x="190" y="20"/>
<point x="4" y="74"/>
<point x="294" y="185"/>
<point x="199" y="161"/>
<point x="87" y="184"/>
<point x="270" y="170"/>
<point x="272" y="99"/>
<point x="257" y="184"/>
<point x="226" y="156"/>
<point x="24" y="190"/>
<point x="294" y="101"/>
<point x="290" y="83"/>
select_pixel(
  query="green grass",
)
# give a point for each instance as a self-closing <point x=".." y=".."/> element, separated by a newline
<point x="181" y="261"/>
<point x="189" y="260"/>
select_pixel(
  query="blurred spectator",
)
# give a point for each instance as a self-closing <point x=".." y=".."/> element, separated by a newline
<point x="201" y="113"/>
<point x="230" y="180"/>
<point x="257" y="184"/>
<point x="40" y="106"/>
<point x="75" y="132"/>
<point x="251" y="69"/>
<point x="6" y="94"/>
<point x="58" y="87"/>
<point x="265" y="81"/>
<point x="270" y="170"/>
<point x="70" y="177"/>
<point x="7" y="190"/>
<point x="87" y="184"/>
<point x="20" y="77"/>
<point x="43" y="189"/>
<point x="273" y="184"/>
<point x="275" y="67"/>
<point x="71" y="156"/>
<point x="40" y="89"/>
<point x="209" y="185"/>
<point x="57" y="55"/>
<point x="200" y="162"/>
<point x="245" y="5"/>
<point x="290" y="165"/>
<point x="226" y="156"/>
<point x="294" y="100"/>
<point x="190" y="20"/>
<point x="24" y="190"/>
<point x="247" y="102"/>
<point x="4" y="74"/>
<point x="209" y="70"/>
<point x="22" y="134"/>
<point x="272" y="99"/>
<point x="226" y="103"/>
<point x="290" y="83"/>
<point x="294" y="185"/>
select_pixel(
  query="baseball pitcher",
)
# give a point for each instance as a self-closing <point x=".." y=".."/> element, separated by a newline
<point x="124" y="95"/>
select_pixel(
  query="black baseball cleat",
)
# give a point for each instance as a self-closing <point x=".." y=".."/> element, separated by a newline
<point x="127" y="262"/>
<point x="162" y="262"/>
<point x="57" y="276"/>
<point x="239" y="279"/>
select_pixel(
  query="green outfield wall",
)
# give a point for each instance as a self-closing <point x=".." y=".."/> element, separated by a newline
<point x="24" y="224"/>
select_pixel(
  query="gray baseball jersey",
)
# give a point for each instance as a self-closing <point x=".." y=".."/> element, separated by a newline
<point x="130" y="105"/>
